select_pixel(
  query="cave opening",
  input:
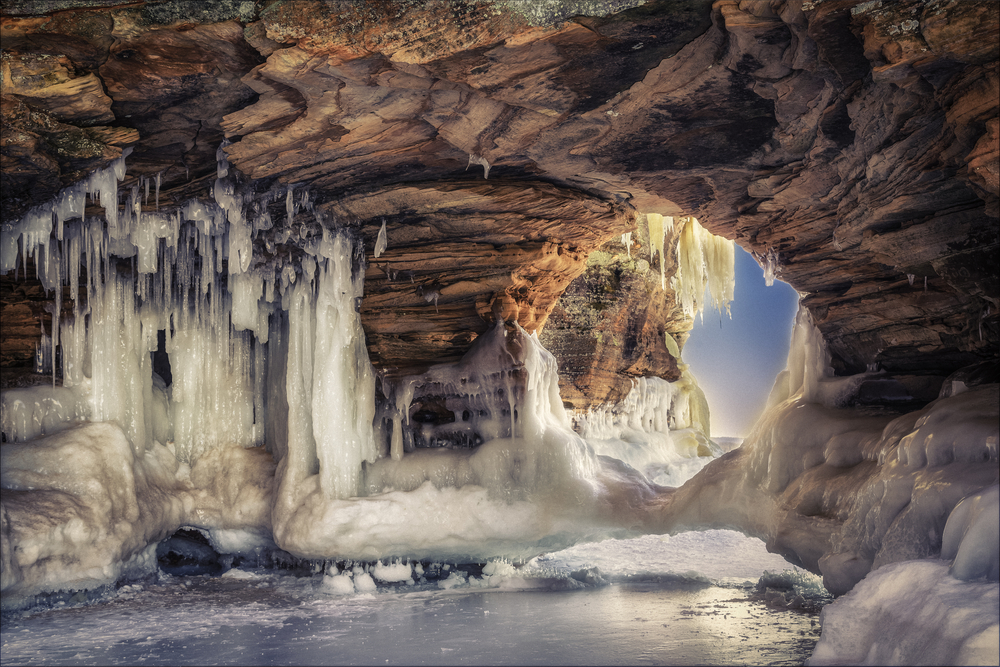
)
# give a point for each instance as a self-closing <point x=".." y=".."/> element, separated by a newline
<point x="160" y="358"/>
<point x="736" y="359"/>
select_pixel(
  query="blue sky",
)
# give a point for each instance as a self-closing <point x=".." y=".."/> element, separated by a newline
<point x="735" y="360"/>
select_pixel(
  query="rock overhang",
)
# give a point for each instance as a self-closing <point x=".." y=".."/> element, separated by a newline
<point x="852" y="142"/>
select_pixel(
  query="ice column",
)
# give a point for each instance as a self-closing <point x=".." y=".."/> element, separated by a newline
<point x="329" y="380"/>
<point x="343" y="379"/>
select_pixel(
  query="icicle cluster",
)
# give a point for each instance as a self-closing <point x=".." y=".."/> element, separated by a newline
<point x="704" y="262"/>
<point x="192" y="275"/>
<point x="769" y="263"/>
<point x="652" y="406"/>
<point x="659" y="227"/>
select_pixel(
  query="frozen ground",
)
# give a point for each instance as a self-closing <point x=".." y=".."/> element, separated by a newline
<point x="665" y="605"/>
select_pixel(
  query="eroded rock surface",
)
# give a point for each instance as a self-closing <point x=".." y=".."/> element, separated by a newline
<point x="855" y="142"/>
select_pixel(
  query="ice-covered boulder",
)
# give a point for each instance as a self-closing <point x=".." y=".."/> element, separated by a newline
<point x="80" y="510"/>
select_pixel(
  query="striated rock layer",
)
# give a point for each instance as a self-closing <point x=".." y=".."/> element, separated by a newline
<point x="856" y="144"/>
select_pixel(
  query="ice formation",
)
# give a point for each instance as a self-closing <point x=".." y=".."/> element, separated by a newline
<point x="844" y="492"/>
<point x="705" y="262"/>
<point x="482" y="162"/>
<point x="267" y="435"/>
<point x="912" y="613"/>
<point x="381" y="243"/>
<point x="660" y="428"/>
<point x="972" y="535"/>
<point x="659" y="226"/>
<point x="769" y="263"/>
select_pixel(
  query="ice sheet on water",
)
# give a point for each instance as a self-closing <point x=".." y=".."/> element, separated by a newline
<point x="716" y="555"/>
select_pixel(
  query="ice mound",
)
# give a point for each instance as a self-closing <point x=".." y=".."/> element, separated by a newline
<point x="912" y="613"/>
<point x="80" y="510"/>
<point x="842" y="492"/>
<point x="971" y="537"/>
<point x="791" y="589"/>
<point x="659" y="428"/>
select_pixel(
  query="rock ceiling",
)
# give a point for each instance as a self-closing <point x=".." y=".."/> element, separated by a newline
<point x="856" y="142"/>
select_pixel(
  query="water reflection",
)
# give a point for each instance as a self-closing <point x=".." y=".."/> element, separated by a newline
<point x="280" y="620"/>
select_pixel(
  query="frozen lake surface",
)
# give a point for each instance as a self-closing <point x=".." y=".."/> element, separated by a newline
<point x="649" y="614"/>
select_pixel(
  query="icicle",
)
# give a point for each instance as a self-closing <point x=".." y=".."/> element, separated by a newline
<point x="432" y="296"/>
<point x="475" y="159"/>
<point x="925" y="283"/>
<point x="705" y="261"/>
<point x="158" y="175"/>
<point x="909" y="278"/>
<point x="289" y="206"/>
<point x="381" y="243"/>
<point x="769" y="265"/>
<point x="627" y="242"/>
<point x="655" y="221"/>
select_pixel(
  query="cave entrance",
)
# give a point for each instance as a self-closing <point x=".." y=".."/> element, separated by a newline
<point x="736" y="360"/>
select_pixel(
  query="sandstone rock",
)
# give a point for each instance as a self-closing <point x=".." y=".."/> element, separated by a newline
<point x="855" y="142"/>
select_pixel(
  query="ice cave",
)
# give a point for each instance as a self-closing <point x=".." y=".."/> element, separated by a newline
<point x="354" y="332"/>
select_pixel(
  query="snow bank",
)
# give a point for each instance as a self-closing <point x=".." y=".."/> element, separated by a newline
<point x="912" y="613"/>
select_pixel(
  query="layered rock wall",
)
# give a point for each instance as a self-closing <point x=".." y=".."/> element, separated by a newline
<point x="856" y="143"/>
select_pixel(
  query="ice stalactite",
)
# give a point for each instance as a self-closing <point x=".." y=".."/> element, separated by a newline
<point x="627" y="242"/>
<point x="705" y="262"/>
<point x="769" y="263"/>
<point x="381" y="243"/>
<point x="482" y="162"/>
<point x="659" y="226"/>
